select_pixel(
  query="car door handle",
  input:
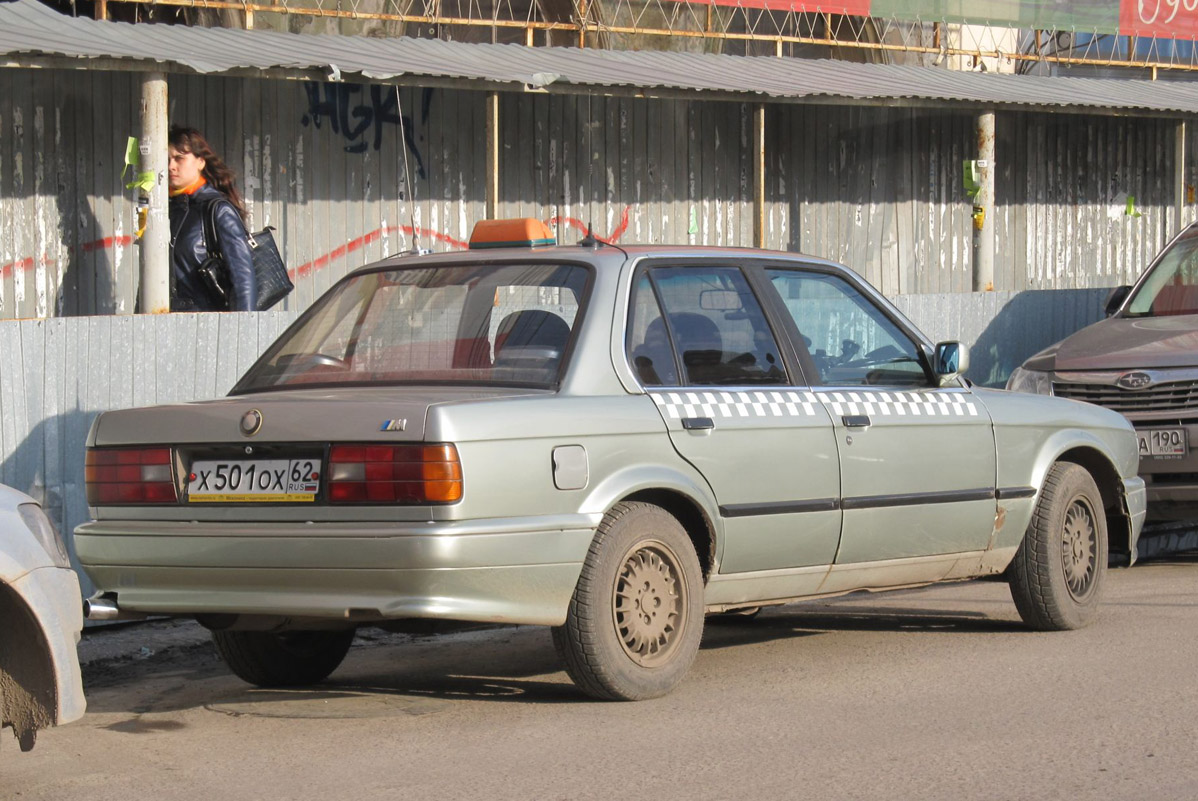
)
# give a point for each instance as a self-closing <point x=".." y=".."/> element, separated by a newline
<point x="856" y="420"/>
<point x="697" y="423"/>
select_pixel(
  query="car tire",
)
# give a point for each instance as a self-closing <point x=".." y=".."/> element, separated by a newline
<point x="1057" y="575"/>
<point x="288" y="659"/>
<point x="636" y="618"/>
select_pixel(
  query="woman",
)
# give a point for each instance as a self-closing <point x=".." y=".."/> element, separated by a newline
<point x="202" y="185"/>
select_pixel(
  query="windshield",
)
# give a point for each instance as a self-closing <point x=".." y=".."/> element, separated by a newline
<point x="1172" y="286"/>
<point x="479" y="324"/>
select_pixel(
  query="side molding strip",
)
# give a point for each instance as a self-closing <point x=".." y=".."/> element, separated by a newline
<point x="1010" y="493"/>
<point x="917" y="499"/>
<point x="872" y="501"/>
<point x="780" y="508"/>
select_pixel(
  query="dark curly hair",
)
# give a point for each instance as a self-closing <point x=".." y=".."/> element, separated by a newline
<point x="216" y="172"/>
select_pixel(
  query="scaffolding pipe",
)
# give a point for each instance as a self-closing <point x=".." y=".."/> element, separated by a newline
<point x="759" y="176"/>
<point x="1179" y="176"/>
<point x="491" y="205"/>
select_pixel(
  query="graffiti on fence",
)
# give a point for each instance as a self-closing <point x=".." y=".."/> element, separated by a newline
<point x="342" y="251"/>
<point x="353" y="111"/>
<point x="29" y="262"/>
<point x="349" y="247"/>
<point x="578" y="224"/>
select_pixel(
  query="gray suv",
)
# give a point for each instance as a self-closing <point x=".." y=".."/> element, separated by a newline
<point x="1141" y="361"/>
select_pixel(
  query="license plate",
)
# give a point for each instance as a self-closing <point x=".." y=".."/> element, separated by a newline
<point x="254" y="481"/>
<point x="1162" y="441"/>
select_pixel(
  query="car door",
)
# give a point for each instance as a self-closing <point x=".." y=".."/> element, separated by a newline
<point x="917" y="460"/>
<point x="703" y="349"/>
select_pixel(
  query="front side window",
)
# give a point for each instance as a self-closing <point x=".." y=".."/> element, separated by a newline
<point x="490" y="324"/>
<point x="1172" y="286"/>
<point x="700" y="326"/>
<point x="850" y="340"/>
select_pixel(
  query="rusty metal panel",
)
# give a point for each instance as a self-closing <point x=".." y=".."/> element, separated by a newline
<point x="1063" y="189"/>
<point x="65" y="246"/>
<point x="877" y="189"/>
<point x="325" y="164"/>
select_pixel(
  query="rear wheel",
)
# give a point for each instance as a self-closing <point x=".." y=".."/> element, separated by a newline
<point x="1057" y="575"/>
<point x="288" y="659"/>
<point x="636" y="618"/>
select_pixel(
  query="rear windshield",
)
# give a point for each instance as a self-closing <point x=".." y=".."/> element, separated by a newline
<point x="1172" y="286"/>
<point x="508" y="324"/>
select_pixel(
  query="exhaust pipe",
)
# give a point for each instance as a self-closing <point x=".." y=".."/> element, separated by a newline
<point x="104" y="607"/>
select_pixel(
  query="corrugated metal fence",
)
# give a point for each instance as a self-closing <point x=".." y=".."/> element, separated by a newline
<point x="349" y="173"/>
<point x="57" y="374"/>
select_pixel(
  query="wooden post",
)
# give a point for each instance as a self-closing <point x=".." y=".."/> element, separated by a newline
<point x="101" y="9"/>
<point x="983" y="207"/>
<point x="492" y="201"/>
<point x="759" y="175"/>
<point x="154" y="292"/>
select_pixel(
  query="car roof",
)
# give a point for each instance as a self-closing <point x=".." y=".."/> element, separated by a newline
<point x="601" y="254"/>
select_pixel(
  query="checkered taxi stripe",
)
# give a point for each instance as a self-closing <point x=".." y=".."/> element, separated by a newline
<point x="757" y="403"/>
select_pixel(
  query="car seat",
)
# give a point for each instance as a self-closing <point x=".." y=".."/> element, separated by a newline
<point x="653" y="359"/>
<point x="1176" y="298"/>
<point x="698" y="340"/>
<point x="531" y="339"/>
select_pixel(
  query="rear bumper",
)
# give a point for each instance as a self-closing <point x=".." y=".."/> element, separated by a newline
<point x="498" y="571"/>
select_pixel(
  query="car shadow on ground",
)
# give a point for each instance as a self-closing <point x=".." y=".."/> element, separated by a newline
<point x="784" y="622"/>
<point x="389" y="674"/>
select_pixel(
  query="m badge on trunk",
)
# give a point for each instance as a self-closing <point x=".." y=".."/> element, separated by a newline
<point x="251" y="422"/>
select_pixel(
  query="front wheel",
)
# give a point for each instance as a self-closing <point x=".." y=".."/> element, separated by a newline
<point x="636" y="618"/>
<point x="1057" y="575"/>
<point x="287" y="659"/>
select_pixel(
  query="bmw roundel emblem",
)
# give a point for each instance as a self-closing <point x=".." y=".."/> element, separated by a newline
<point x="251" y="422"/>
<point x="1136" y="380"/>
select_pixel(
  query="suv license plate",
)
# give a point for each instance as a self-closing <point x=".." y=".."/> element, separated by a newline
<point x="1162" y="441"/>
<point x="254" y="481"/>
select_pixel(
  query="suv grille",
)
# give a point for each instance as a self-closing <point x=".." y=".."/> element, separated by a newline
<point x="1172" y="396"/>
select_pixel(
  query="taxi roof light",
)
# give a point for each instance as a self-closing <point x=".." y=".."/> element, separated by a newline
<point x="522" y="232"/>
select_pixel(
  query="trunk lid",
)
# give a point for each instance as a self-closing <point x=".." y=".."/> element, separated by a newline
<point x="342" y="414"/>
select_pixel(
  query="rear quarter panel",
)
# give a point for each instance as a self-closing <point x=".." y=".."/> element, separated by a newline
<point x="506" y="447"/>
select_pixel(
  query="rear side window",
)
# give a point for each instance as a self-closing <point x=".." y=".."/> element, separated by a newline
<point x="700" y="326"/>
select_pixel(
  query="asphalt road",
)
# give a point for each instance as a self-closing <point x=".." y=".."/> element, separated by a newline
<point x="936" y="693"/>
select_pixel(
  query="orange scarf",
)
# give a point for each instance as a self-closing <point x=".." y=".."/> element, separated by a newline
<point x="190" y="189"/>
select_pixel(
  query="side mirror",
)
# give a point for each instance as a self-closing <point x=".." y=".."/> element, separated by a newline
<point x="1115" y="299"/>
<point x="950" y="360"/>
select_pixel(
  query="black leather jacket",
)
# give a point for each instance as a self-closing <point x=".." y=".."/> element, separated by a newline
<point x="188" y="251"/>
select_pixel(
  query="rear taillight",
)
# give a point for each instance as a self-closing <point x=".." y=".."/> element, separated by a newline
<point x="129" y="476"/>
<point x="403" y="474"/>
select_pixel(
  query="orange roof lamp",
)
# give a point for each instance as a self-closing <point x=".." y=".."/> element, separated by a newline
<point x="523" y="232"/>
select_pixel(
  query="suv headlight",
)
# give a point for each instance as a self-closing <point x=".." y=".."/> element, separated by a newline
<point x="45" y="532"/>
<point x="1035" y="382"/>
